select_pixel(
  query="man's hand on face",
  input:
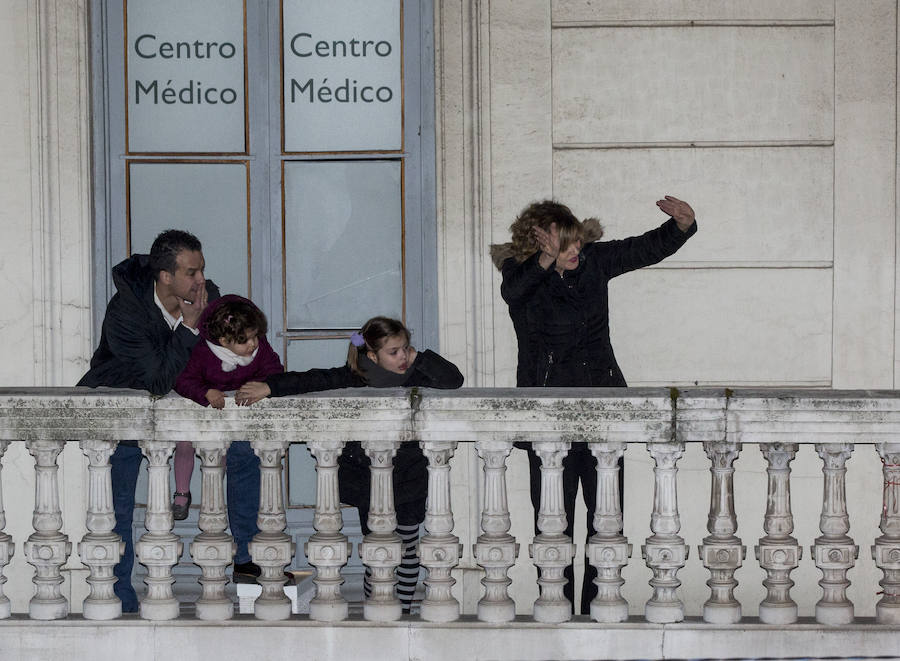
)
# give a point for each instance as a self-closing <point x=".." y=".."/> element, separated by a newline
<point x="191" y="310"/>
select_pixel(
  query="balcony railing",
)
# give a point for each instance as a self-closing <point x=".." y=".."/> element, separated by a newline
<point x="662" y="422"/>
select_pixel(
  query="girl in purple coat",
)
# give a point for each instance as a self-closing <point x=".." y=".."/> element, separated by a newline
<point x="234" y="352"/>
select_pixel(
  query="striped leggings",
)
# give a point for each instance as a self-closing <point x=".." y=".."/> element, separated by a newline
<point x="408" y="571"/>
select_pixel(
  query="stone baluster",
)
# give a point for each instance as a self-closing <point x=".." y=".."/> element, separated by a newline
<point x="778" y="553"/>
<point x="608" y="550"/>
<point x="101" y="548"/>
<point x="327" y="549"/>
<point x="495" y="550"/>
<point x="439" y="549"/>
<point x="834" y="551"/>
<point x="665" y="551"/>
<point x="722" y="551"/>
<point x="213" y="548"/>
<point x="380" y="549"/>
<point x="46" y="548"/>
<point x="7" y="548"/>
<point x="159" y="548"/>
<point x="271" y="548"/>
<point x="552" y="549"/>
<point x="886" y="551"/>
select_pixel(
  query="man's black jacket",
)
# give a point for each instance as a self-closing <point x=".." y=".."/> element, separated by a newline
<point x="137" y="348"/>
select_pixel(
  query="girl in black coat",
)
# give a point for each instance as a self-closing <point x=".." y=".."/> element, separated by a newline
<point x="555" y="277"/>
<point x="379" y="356"/>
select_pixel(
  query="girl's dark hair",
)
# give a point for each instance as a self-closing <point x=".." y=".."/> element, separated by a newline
<point x="543" y="214"/>
<point x="232" y="320"/>
<point x="375" y="332"/>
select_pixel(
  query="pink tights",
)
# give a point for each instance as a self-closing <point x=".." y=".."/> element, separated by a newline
<point x="184" y="466"/>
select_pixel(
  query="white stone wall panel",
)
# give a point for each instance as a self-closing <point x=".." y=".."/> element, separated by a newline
<point x="723" y="326"/>
<point x="692" y="10"/>
<point x="720" y="83"/>
<point x="763" y="205"/>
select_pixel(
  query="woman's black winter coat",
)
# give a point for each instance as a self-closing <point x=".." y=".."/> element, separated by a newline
<point x="562" y="321"/>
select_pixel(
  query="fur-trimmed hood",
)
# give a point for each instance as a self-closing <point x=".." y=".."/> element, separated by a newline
<point x="500" y="252"/>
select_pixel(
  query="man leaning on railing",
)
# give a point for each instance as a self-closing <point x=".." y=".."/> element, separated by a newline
<point x="149" y="331"/>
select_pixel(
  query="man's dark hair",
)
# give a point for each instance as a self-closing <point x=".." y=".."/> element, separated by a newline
<point x="165" y="249"/>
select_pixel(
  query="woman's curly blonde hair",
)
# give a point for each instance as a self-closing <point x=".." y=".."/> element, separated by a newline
<point x="544" y="214"/>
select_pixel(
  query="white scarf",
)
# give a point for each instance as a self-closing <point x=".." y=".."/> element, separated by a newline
<point x="230" y="360"/>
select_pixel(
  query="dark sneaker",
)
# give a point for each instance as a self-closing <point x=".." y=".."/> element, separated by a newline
<point x="246" y="572"/>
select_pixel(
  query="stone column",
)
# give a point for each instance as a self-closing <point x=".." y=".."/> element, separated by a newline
<point x="496" y="550"/>
<point x="722" y="551"/>
<point x="778" y="553"/>
<point x="886" y="551"/>
<point x="213" y="549"/>
<point x="439" y="549"/>
<point x="834" y="551"/>
<point x="271" y="548"/>
<point x="327" y="549"/>
<point x="665" y="551"/>
<point x="380" y="549"/>
<point x="552" y="549"/>
<point x="159" y="548"/>
<point x="46" y="548"/>
<point x="101" y="548"/>
<point x="7" y="547"/>
<point x="608" y="550"/>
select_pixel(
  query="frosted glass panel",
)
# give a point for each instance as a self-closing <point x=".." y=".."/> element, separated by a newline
<point x="185" y="76"/>
<point x="343" y="243"/>
<point x="302" y="476"/>
<point x="307" y="354"/>
<point x="343" y="89"/>
<point x="206" y="199"/>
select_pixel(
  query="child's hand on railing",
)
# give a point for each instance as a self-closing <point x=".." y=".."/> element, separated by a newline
<point x="251" y="392"/>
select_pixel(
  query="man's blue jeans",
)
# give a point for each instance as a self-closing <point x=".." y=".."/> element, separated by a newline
<point x="242" y="490"/>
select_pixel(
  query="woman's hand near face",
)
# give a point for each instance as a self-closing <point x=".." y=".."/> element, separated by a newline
<point x="548" y="243"/>
<point x="251" y="392"/>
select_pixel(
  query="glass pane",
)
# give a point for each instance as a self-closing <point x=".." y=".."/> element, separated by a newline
<point x="206" y="199"/>
<point x="306" y="354"/>
<point x="302" y="476"/>
<point x="343" y="243"/>
<point x="185" y="63"/>
<point x="342" y="75"/>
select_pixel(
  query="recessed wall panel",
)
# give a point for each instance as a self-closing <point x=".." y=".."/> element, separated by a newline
<point x="691" y="84"/>
<point x="692" y="10"/>
<point x="207" y="199"/>
<point x="753" y="204"/>
<point x="723" y="326"/>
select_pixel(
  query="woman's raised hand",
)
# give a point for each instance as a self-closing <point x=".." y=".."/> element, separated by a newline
<point x="679" y="210"/>
<point x="548" y="243"/>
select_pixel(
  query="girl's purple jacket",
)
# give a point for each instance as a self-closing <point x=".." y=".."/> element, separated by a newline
<point x="204" y="370"/>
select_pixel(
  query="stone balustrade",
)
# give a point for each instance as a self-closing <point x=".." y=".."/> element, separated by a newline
<point x="614" y="422"/>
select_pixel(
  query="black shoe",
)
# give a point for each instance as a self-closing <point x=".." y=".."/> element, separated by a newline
<point x="180" y="512"/>
<point x="248" y="572"/>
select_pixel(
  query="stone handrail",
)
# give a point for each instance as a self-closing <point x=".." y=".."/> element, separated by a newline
<point x="493" y="419"/>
